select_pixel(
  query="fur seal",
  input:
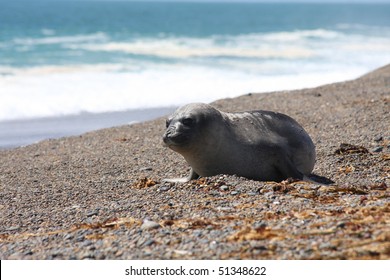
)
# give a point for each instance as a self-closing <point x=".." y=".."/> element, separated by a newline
<point x="258" y="145"/>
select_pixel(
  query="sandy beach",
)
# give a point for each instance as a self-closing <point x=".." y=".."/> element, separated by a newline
<point x="101" y="196"/>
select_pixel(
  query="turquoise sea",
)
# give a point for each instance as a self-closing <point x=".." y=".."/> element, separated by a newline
<point x="66" y="58"/>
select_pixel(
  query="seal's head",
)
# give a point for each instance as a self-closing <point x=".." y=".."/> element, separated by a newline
<point x="185" y="126"/>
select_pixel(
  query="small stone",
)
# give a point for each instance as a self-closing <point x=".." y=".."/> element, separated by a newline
<point x="259" y="225"/>
<point x="341" y="225"/>
<point x="80" y="238"/>
<point x="224" y="188"/>
<point x="86" y="243"/>
<point x="182" y="252"/>
<point x="92" y="213"/>
<point x="68" y="236"/>
<point x="118" y="254"/>
<point x="149" y="242"/>
<point x="213" y="245"/>
<point x="234" y="193"/>
<point x="377" y="149"/>
<point x="87" y="256"/>
<point x="13" y="228"/>
<point x="222" y="208"/>
<point x="197" y="233"/>
<point x="146" y="225"/>
<point x="378" y="138"/>
<point x="164" y="188"/>
<point x="148" y="168"/>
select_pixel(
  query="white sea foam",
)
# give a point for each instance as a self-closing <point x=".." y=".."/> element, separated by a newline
<point x="43" y="92"/>
<point x="275" y="45"/>
<point x="169" y="49"/>
<point x="48" y="40"/>
<point x="300" y="44"/>
<point x="48" y="32"/>
<point x="198" y="70"/>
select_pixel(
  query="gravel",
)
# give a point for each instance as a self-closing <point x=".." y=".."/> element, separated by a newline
<point x="100" y="195"/>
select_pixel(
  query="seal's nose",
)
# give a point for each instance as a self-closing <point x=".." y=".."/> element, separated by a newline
<point x="168" y="133"/>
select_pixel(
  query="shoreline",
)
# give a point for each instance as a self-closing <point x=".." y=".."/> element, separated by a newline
<point x="18" y="133"/>
<point x="90" y="196"/>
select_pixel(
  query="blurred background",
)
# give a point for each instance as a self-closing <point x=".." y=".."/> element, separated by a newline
<point x="67" y="67"/>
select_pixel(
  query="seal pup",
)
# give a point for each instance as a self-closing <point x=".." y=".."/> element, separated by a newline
<point x="258" y="145"/>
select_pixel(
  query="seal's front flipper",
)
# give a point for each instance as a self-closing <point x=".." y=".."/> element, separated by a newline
<point x="193" y="175"/>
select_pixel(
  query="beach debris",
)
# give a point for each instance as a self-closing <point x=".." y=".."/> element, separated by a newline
<point x="197" y="223"/>
<point x="386" y="157"/>
<point x="344" y="189"/>
<point x="96" y="236"/>
<point x="122" y="139"/>
<point x="382" y="186"/>
<point x="144" y="183"/>
<point x="347" y="169"/>
<point x="346" y="148"/>
<point x="110" y="223"/>
<point x="260" y="233"/>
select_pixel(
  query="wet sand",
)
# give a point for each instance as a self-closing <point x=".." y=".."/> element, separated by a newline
<point x="18" y="133"/>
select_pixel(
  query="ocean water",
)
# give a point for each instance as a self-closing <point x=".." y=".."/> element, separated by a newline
<point x="68" y="58"/>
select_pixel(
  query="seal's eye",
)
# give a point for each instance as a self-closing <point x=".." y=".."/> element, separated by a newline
<point x="167" y="122"/>
<point x="188" y="121"/>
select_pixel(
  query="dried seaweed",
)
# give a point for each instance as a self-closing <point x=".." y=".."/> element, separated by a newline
<point x="346" y="148"/>
<point x="144" y="183"/>
<point x="249" y="233"/>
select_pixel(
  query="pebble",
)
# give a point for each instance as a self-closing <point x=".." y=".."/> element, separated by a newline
<point x="13" y="228"/>
<point x="224" y="188"/>
<point x="182" y="252"/>
<point x="197" y="233"/>
<point x="68" y="236"/>
<point x="213" y="245"/>
<point x="377" y="149"/>
<point x="341" y="225"/>
<point x="92" y="213"/>
<point x="148" y="168"/>
<point x="149" y="242"/>
<point x="224" y="208"/>
<point x="259" y="224"/>
<point x="164" y="188"/>
<point x="146" y="225"/>
<point x="234" y="193"/>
